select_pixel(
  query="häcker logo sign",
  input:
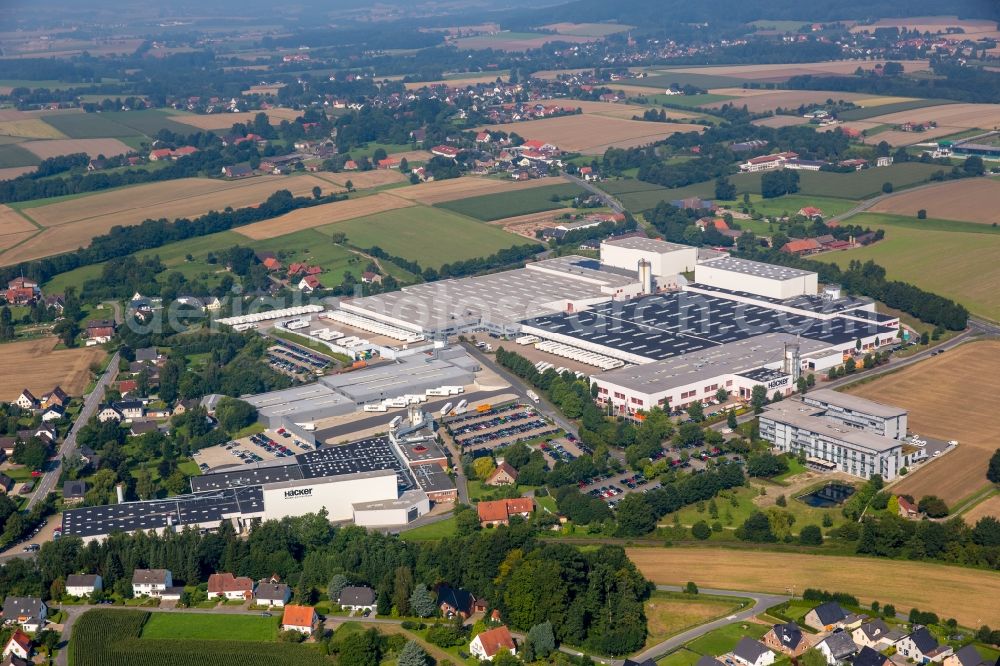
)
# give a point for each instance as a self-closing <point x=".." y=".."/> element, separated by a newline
<point x="298" y="492"/>
<point x="777" y="382"/>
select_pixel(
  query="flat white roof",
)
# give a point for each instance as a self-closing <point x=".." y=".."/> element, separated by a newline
<point x="756" y="268"/>
<point x="854" y="403"/>
<point x="647" y="244"/>
<point x="800" y="415"/>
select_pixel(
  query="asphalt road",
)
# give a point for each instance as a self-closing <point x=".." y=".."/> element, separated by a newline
<point x="608" y="200"/>
<point x="90" y="403"/>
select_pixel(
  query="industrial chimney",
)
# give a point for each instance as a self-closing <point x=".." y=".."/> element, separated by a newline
<point x="646" y="276"/>
<point x="792" y="363"/>
<point x="120" y="491"/>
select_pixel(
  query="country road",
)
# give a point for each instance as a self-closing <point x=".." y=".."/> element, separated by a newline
<point x="608" y="200"/>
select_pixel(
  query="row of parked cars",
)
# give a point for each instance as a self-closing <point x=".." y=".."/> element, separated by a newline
<point x="557" y="451"/>
<point x="498" y="420"/>
<point x="508" y="432"/>
<point x="271" y="446"/>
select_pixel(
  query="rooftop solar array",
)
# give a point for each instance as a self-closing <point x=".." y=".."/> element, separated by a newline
<point x="668" y="325"/>
<point x="431" y="478"/>
<point x="806" y="302"/>
<point x="762" y="375"/>
<point x="192" y="509"/>
<point x="366" y="455"/>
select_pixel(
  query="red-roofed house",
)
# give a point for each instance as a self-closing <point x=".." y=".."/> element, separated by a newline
<point x="811" y="211"/>
<point x="535" y="144"/>
<point x="717" y="222"/>
<point x="908" y="509"/>
<point x="228" y="586"/>
<point x="350" y="165"/>
<point x="368" y="277"/>
<point x="272" y="264"/>
<point x="484" y="137"/>
<point x="487" y="644"/>
<point x="388" y="163"/>
<point x="159" y="154"/>
<point x="445" y="151"/>
<point x="19" y="645"/>
<point x="21" y="291"/>
<point x="503" y="475"/>
<point x="127" y="386"/>
<point x="802" y="246"/>
<point x="499" y="512"/>
<point x="309" y="284"/>
<point x="299" y="618"/>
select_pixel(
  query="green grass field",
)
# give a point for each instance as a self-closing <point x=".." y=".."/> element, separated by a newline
<point x="432" y="532"/>
<point x="429" y="236"/>
<point x="646" y="199"/>
<point x="689" y="101"/>
<point x="793" y="203"/>
<point x="664" y="78"/>
<point x="150" y="122"/>
<point x="943" y="257"/>
<point x="724" y="639"/>
<point x="196" y="626"/>
<point x="856" y="185"/>
<point x="88" y="125"/>
<point x="311" y="246"/>
<point x="628" y="186"/>
<point x="510" y="204"/>
<point x="780" y="26"/>
<point x="884" y="109"/>
<point x="13" y="155"/>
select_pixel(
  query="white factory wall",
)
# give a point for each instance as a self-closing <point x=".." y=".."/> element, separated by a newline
<point x="337" y="497"/>
<point x="390" y="517"/>
<point x="385" y="318"/>
<point x="584" y="344"/>
<point x="756" y="284"/>
<point x="663" y="263"/>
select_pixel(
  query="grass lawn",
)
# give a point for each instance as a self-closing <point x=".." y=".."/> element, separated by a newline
<point x="306" y="342"/>
<point x="794" y="467"/>
<point x="669" y="613"/>
<point x="793" y="203"/>
<point x="920" y="255"/>
<point x="390" y="148"/>
<point x="194" y="626"/>
<point x="665" y="78"/>
<point x="647" y="198"/>
<point x="509" y="204"/>
<point x="855" y="185"/>
<point x="430" y="236"/>
<point x="724" y="639"/>
<point x="432" y="532"/>
<point x="682" y="657"/>
<point x="311" y="246"/>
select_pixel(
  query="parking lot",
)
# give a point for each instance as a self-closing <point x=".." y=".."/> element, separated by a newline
<point x="563" y="448"/>
<point x="255" y="448"/>
<point x="296" y="361"/>
<point x="613" y="487"/>
<point x="481" y="432"/>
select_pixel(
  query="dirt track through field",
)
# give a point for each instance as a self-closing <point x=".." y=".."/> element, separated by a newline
<point x="990" y="507"/>
<point x="33" y="365"/>
<point x="972" y="200"/>
<point x="317" y="216"/>
<point x="952" y="396"/>
<point x="12" y="222"/>
<point x="964" y="594"/>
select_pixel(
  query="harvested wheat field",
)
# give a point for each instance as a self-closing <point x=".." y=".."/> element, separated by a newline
<point x="619" y="110"/>
<point x="951" y="396"/>
<point x="592" y="135"/>
<point x="784" y="99"/>
<point x="440" y="191"/>
<point x="966" y="593"/>
<point x="34" y="365"/>
<point x="14" y="114"/>
<point x="93" y="147"/>
<point x="412" y="156"/>
<point x="223" y="121"/>
<point x="34" y="128"/>
<point x="317" y="216"/>
<point x="932" y="24"/>
<point x="362" y="180"/>
<point x="74" y="222"/>
<point x="957" y="116"/>
<point x="12" y="222"/>
<point x="990" y="507"/>
<point x="781" y="121"/>
<point x="13" y="172"/>
<point x="527" y="225"/>
<point x="462" y="82"/>
<point x="972" y="200"/>
<point x="8" y="241"/>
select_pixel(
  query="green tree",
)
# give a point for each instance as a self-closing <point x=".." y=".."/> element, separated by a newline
<point x="422" y="602"/>
<point x="993" y="471"/>
<point x="360" y="649"/>
<point x="811" y="535"/>
<point x="337" y="583"/>
<point x="234" y="414"/>
<point x="756" y="528"/>
<point x="758" y="398"/>
<point x="402" y="588"/>
<point x="701" y="530"/>
<point x="412" y="655"/>
<point x="887" y="187"/>
<point x="696" y="411"/>
<point x="731" y="421"/>
<point x="690" y="588"/>
<point x="812" y="657"/>
<point x="483" y="467"/>
<point x="635" y="516"/>
<point x="541" y="640"/>
<point x="144" y="486"/>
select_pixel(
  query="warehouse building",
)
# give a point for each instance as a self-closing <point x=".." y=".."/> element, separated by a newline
<point x="832" y="441"/>
<point x="756" y="277"/>
<point x="665" y="259"/>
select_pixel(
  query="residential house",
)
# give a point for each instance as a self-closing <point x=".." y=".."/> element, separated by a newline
<point x="802" y="246"/>
<point x="237" y="171"/>
<point x="825" y="617"/>
<point x="21" y="291"/>
<point x="856" y="164"/>
<point x="53" y="413"/>
<point x="138" y="428"/>
<point x="752" y="653"/>
<point x="127" y="386"/>
<point x="82" y="585"/>
<point x="183" y="406"/>
<point x="151" y="582"/>
<point x="309" y="284"/>
<point x="109" y="413"/>
<point x="299" y="618"/>
<point x="499" y="512"/>
<point x="503" y="475"/>
<point x="787" y="639"/>
<point x="272" y="264"/>
<point x="966" y="656"/>
<point x="29" y="612"/>
<point x="14" y="660"/>
<point x="56" y="302"/>
<point x="100" y="331"/>
<point x="488" y="644"/>
<point x="358" y="598"/>
<point x="228" y="586"/>
<point x="74" y="491"/>
<point x="6" y="484"/>
<point x="455" y="601"/>
<point x="97" y="165"/>
<point x="922" y="647"/>
<point x="868" y="657"/>
<point x="811" y="212"/>
<point x="27" y="400"/>
<point x="7" y="445"/>
<point x="388" y="163"/>
<point x="149" y="355"/>
<point x="705" y="660"/>
<point x="883" y="161"/>
<point x="19" y="645"/>
<point x="130" y="409"/>
<point x="875" y="634"/>
<point x="908" y="509"/>
<point x="272" y="592"/>
<point x="445" y="151"/>
<point x="369" y="277"/>
<point x="837" y="648"/>
<point x="171" y="593"/>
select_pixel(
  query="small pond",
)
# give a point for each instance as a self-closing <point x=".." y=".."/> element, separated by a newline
<point x="830" y="495"/>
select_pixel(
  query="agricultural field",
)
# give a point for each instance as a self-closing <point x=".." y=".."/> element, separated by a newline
<point x="587" y="29"/>
<point x="200" y="626"/>
<point x="71" y="222"/>
<point x="781" y="121"/>
<point x="988" y="507"/>
<point x="758" y="101"/>
<point x="459" y="82"/>
<point x="937" y="393"/>
<point x="89" y="125"/>
<point x="363" y="180"/>
<point x="875" y="110"/>
<point x="14" y="155"/>
<point x="517" y="41"/>
<point x="792" y="203"/>
<point x="950" y="118"/>
<point x="856" y="185"/>
<point x="647" y="198"/>
<point x="624" y="111"/>
<point x="781" y="72"/>
<point x="38" y="367"/>
<point x="933" y="25"/>
<point x="313" y="247"/>
<point x="592" y="134"/>
<point x="117" y="638"/>
<point x="8" y="173"/>
<point x="93" y="147"/>
<point x="429" y="236"/>
<point x="318" y="216"/>
<point x="670" y="613"/>
<point x="913" y="251"/>
<point x="526" y="225"/>
<point x="969" y="200"/>
<point x="511" y="204"/>
<point x="966" y="593"/>
<point x="223" y="121"/>
<point x="34" y="128"/>
<point x="12" y="222"/>
<point x="441" y="191"/>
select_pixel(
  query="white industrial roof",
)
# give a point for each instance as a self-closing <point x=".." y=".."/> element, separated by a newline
<point x="647" y="244"/>
<point x="797" y="414"/>
<point x="855" y="404"/>
<point x="756" y="268"/>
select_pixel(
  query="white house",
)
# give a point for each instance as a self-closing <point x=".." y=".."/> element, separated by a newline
<point x="752" y="653"/>
<point x="228" y="586"/>
<point x="358" y="599"/>
<point x="837" y="647"/>
<point x="26" y="400"/>
<point x="151" y="582"/>
<point x="299" y="618"/>
<point x="82" y="585"/>
<point x="272" y="593"/>
<point x="29" y="612"/>
<point x="19" y="646"/>
<point x="109" y="413"/>
<point x="922" y="647"/>
<point x="53" y="413"/>
<point x="486" y="645"/>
